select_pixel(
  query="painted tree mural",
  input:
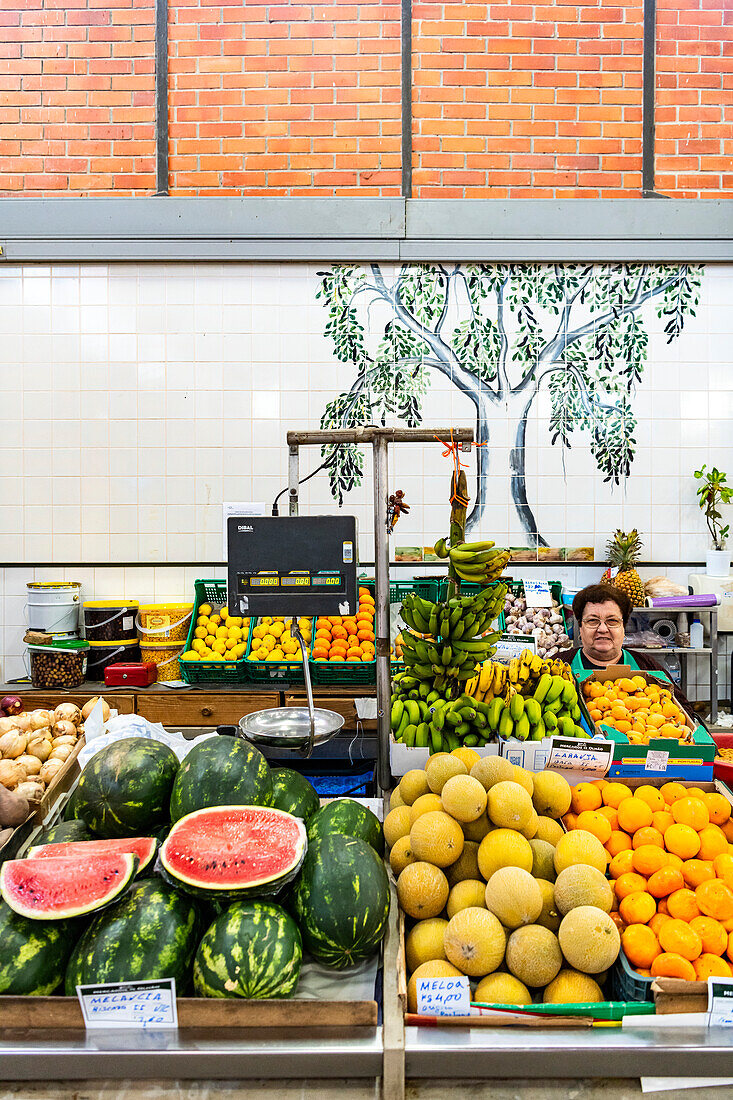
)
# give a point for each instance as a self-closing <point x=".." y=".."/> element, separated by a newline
<point x="502" y="333"/>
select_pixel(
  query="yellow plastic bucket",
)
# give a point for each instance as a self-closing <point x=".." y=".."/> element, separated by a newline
<point x="164" y="622"/>
<point x="165" y="656"/>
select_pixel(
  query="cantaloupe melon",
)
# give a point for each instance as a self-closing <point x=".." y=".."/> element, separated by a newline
<point x="424" y="942"/>
<point x="422" y="890"/>
<point x="503" y="848"/>
<point x="401" y="855"/>
<point x="437" y="838"/>
<point x="467" y="755"/>
<point x="502" y="989"/>
<point x="580" y="846"/>
<point x="582" y="885"/>
<point x="436" y="968"/>
<point x="469" y="892"/>
<point x="549" y="917"/>
<point x="533" y="955"/>
<point x="474" y="941"/>
<point x="589" y="939"/>
<point x="412" y="785"/>
<point x="514" y="897"/>
<point x="543" y="860"/>
<point x="466" y="866"/>
<point x="548" y="830"/>
<point x="529" y="830"/>
<point x="491" y="770"/>
<point x="463" y="798"/>
<point x="439" y="770"/>
<point x="509" y="805"/>
<point x="425" y="804"/>
<point x="477" y="830"/>
<point x="396" y="824"/>
<point x="552" y="794"/>
<point x="524" y="778"/>
<point x="571" y="987"/>
<point x="395" y="799"/>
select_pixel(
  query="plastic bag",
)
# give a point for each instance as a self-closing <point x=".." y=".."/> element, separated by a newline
<point x="99" y="734"/>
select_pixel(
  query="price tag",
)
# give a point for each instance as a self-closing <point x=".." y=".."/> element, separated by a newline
<point x="537" y="593"/>
<point x="444" y="996"/>
<point x="572" y="754"/>
<point x="656" y="761"/>
<point x="720" y="1002"/>
<point x="511" y="645"/>
<point x="133" y="1005"/>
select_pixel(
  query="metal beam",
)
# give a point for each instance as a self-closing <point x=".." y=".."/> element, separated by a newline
<point x="647" y="98"/>
<point x="161" y="97"/>
<point x="406" y="89"/>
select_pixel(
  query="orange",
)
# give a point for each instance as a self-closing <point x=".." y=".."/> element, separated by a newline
<point x="629" y="883"/>
<point x="662" y="906"/>
<point x="657" y="921"/>
<point x="682" y="905"/>
<point x="718" y="806"/>
<point x="637" y="908"/>
<point x="617" y="919"/>
<point x="319" y="652"/>
<point x="585" y="797"/>
<point x="595" y="823"/>
<point x="680" y="938"/>
<point x="611" y="814"/>
<point x="709" y="966"/>
<point x="570" y="821"/>
<point x="614" y="794"/>
<point x="621" y="864"/>
<point x="695" y="871"/>
<point x="729" y="948"/>
<point x="671" y="965"/>
<point x="633" y="814"/>
<point x="674" y="861"/>
<point x="663" y="883"/>
<point x="670" y="792"/>
<point x="696" y="792"/>
<point x="723" y="866"/>
<point x="715" y="899"/>
<point x="618" y="842"/>
<point x="727" y="828"/>
<point x="651" y="795"/>
<point x="350" y="626"/>
<point x="648" y="835"/>
<point x="682" y="840"/>
<point x="691" y="811"/>
<point x="648" y="859"/>
<point x="713" y="936"/>
<point x="640" y="945"/>
<point x="712" y="842"/>
<point x="644" y="973"/>
<point x="662" y="819"/>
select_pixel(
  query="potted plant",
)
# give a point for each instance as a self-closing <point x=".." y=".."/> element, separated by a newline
<point x="713" y="492"/>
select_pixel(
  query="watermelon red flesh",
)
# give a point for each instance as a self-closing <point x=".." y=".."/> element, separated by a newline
<point x="141" y="846"/>
<point x="55" y="889"/>
<point x="233" y="847"/>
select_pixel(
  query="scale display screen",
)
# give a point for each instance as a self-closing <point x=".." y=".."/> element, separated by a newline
<point x="334" y="582"/>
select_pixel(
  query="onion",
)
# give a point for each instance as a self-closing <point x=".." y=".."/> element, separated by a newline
<point x="6" y="725"/>
<point x="88" y="707"/>
<point x="40" y="747"/>
<point x="22" y="722"/>
<point x="40" y="719"/>
<point x="11" y="704"/>
<point x="67" y="712"/>
<point x="31" y="789"/>
<point x="64" y="729"/>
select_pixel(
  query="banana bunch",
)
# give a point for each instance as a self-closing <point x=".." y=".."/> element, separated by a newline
<point x="475" y="562"/>
<point x="461" y="617"/>
<point x="426" y="719"/>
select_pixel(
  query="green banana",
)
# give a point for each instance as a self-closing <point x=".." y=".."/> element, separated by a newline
<point x="521" y="728"/>
<point x="555" y="690"/>
<point x="543" y="686"/>
<point x="413" y="711"/>
<point x="516" y="708"/>
<point x="462" y="729"/>
<point x="422" y="735"/>
<point x="533" y="710"/>
<point x="550" y="721"/>
<point x="539" y="731"/>
<point x="396" y="714"/>
<point x="409" y="734"/>
<point x="506" y="725"/>
<point x="436" y="740"/>
<point x="566" y="727"/>
<point x="496" y="706"/>
<point x="441" y="549"/>
<point x="569" y="693"/>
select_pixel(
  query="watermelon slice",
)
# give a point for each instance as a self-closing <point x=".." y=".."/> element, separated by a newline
<point x="143" y="847"/>
<point x="234" y="851"/>
<point x="55" y="889"/>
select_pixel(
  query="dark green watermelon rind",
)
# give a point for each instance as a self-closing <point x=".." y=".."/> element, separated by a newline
<point x="151" y="933"/>
<point x="221" y="770"/>
<point x="124" y="790"/>
<point x="341" y="901"/>
<point x="253" y="950"/>
<point x="269" y="889"/>
<point x="292" y="792"/>
<point x="64" y="831"/>
<point x="69" y="913"/>
<point x="33" y="954"/>
<point x="344" y="815"/>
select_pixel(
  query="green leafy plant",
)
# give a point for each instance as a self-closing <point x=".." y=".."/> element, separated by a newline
<point x="713" y="492"/>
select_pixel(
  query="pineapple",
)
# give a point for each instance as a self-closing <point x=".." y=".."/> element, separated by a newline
<point x="624" y="551"/>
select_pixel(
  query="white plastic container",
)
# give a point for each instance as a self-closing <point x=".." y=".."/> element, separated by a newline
<point x="53" y="606"/>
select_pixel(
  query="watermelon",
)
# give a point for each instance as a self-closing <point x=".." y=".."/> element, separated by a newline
<point x="33" y="954"/>
<point x="71" y="810"/>
<point x="151" y="933"/>
<point x="252" y="950"/>
<point x="144" y="847"/>
<point x="124" y="790"/>
<point x="54" y="889"/>
<point x="221" y="771"/>
<point x="229" y="852"/>
<point x="341" y="900"/>
<point x="344" y="815"/>
<point x="292" y="792"/>
<point x="65" y="831"/>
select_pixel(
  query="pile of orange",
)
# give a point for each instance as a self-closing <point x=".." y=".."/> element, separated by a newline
<point x="639" y="709"/>
<point x="346" y="637"/>
<point x="671" y="859"/>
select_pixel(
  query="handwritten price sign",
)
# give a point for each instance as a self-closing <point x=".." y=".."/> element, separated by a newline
<point x="444" y="997"/>
<point x="132" y="1005"/>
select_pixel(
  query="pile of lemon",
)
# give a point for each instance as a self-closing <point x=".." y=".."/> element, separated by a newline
<point x="218" y="636"/>
<point x="272" y="640"/>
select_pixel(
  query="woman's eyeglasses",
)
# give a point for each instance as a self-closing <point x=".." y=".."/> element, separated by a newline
<point x="595" y="624"/>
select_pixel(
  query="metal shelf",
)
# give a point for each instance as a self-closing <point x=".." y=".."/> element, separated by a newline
<point x="711" y="651"/>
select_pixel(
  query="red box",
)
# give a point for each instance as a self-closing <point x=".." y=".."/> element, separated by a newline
<point x="136" y="673"/>
<point x="723" y="769"/>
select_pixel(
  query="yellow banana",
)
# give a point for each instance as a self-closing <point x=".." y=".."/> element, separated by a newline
<point x="513" y="671"/>
<point x="486" y="675"/>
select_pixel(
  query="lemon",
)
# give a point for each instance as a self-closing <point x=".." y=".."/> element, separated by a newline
<point x="200" y="632"/>
<point x="229" y="644"/>
<point x="215" y="620"/>
<point x="262" y="654"/>
<point x="259" y="632"/>
<point x="221" y="632"/>
<point x="198" y="645"/>
<point x="234" y="632"/>
<point x="224" y="612"/>
<point x="277" y="655"/>
<point x="298" y="656"/>
<point x="277" y="630"/>
<point x="268" y="642"/>
<point x="203" y="620"/>
<point x="210" y="639"/>
<point x="205" y="609"/>
<point x="216" y="657"/>
<point x="189" y="656"/>
<point x="240" y="650"/>
<point x="266" y="620"/>
<point x="219" y="646"/>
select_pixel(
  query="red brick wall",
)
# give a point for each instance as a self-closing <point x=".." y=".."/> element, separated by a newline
<point x="511" y="99"/>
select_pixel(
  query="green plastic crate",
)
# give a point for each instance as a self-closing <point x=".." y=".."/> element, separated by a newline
<point x="427" y="587"/>
<point x="343" y="673"/>
<point x="626" y="984"/>
<point x="264" y="672"/>
<point x="212" y="672"/>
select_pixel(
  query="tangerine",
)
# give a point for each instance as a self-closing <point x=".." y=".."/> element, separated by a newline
<point x="657" y="921"/>
<point x="682" y="905"/>
<point x="715" y="899"/>
<point x="595" y="823"/>
<point x="692" y="812"/>
<point x="585" y="796"/>
<point x="671" y="965"/>
<point x="723" y="866"/>
<point x="629" y="883"/>
<point x="618" y="842"/>
<point x="713" y="936"/>
<point x="651" y="795"/>
<point x="648" y="859"/>
<point x="711" y="966"/>
<point x="633" y="814"/>
<point x="696" y="871"/>
<point x="712" y="842"/>
<point x="661" y="820"/>
<point x="718" y="806"/>
<point x="621" y="864"/>
<point x="670" y="792"/>
<point x="640" y="945"/>
<point x="614" y="794"/>
<point x="680" y="938"/>
<point x="647" y="835"/>
<point x="637" y="908"/>
<point x="682" y="840"/>
<point x="664" y="882"/>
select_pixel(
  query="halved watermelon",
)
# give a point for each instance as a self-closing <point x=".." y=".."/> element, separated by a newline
<point x="143" y="847"/>
<point x="234" y="851"/>
<point x="55" y="889"/>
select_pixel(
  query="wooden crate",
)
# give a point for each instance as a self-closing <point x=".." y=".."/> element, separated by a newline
<point x="203" y="708"/>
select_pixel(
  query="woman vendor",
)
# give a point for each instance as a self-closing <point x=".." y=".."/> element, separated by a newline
<point x="601" y="613"/>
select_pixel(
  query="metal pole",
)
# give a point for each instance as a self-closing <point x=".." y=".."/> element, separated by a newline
<point x="381" y="599"/>
<point x="714" y="666"/>
<point x="293" y="475"/>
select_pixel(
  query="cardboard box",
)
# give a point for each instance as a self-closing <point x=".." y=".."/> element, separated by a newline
<point x="403" y="759"/>
<point x="685" y="760"/>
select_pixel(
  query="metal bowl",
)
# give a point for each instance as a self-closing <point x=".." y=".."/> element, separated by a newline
<point x="289" y="727"/>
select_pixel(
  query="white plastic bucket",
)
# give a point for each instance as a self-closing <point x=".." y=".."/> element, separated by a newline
<point x="53" y="606"/>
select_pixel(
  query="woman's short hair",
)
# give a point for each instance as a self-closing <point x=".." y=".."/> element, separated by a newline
<point x="600" y="593"/>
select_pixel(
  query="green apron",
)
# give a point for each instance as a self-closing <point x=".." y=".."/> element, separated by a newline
<point x="626" y="659"/>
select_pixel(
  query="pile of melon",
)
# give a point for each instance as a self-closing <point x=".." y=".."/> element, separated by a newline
<point x="493" y="887"/>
